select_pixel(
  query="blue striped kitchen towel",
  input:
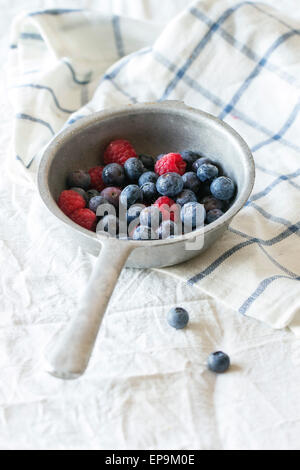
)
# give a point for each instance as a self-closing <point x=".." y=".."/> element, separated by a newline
<point x="236" y="60"/>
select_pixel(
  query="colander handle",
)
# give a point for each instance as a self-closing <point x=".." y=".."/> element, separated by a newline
<point x="68" y="356"/>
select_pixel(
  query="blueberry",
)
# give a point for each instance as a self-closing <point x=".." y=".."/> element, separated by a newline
<point x="148" y="177"/>
<point x="95" y="202"/>
<point x="151" y="217"/>
<point x="113" y="175"/>
<point x="189" y="157"/>
<point x="207" y="172"/>
<point x="160" y="156"/>
<point x="218" y="362"/>
<point x="213" y="215"/>
<point x="190" y="181"/>
<point x="167" y="229"/>
<point x="222" y="188"/>
<point x="147" y="161"/>
<point x="112" y="195"/>
<point x="133" y="213"/>
<point x="211" y="203"/>
<point x="200" y="162"/>
<point x="131" y="194"/>
<point x="143" y="233"/>
<point x="169" y="184"/>
<point x="82" y="193"/>
<point x="150" y="193"/>
<point x="92" y="193"/>
<point x="79" y="179"/>
<point x="109" y="224"/>
<point x="133" y="168"/>
<point x="186" y="196"/>
<point x="193" y="215"/>
<point x="178" y="318"/>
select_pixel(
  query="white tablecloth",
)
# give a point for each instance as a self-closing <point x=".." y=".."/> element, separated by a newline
<point x="147" y="386"/>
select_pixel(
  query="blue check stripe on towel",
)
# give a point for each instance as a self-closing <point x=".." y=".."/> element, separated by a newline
<point x="237" y="62"/>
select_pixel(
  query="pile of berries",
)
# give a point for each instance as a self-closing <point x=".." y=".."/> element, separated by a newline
<point x="142" y="197"/>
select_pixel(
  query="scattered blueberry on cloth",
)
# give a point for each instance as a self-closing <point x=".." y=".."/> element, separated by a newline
<point x="178" y="318"/>
<point x="240" y="62"/>
<point x="218" y="362"/>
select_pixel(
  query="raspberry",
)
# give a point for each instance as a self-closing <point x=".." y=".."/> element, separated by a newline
<point x="164" y="200"/>
<point x="85" y="218"/>
<point x="96" y="178"/>
<point x="172" y="162"/>
<point x="69" y="201"/>
<point x="118" y="151"/>
<point x="168" y="208"/>
<point x="171" y="213"/>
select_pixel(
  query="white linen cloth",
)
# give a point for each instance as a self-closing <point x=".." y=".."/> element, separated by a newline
<point x="151" y="390"/>
<point x="237" y="60"/>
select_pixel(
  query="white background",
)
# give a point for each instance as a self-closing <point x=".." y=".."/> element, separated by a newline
<point x="147" y="386"/>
